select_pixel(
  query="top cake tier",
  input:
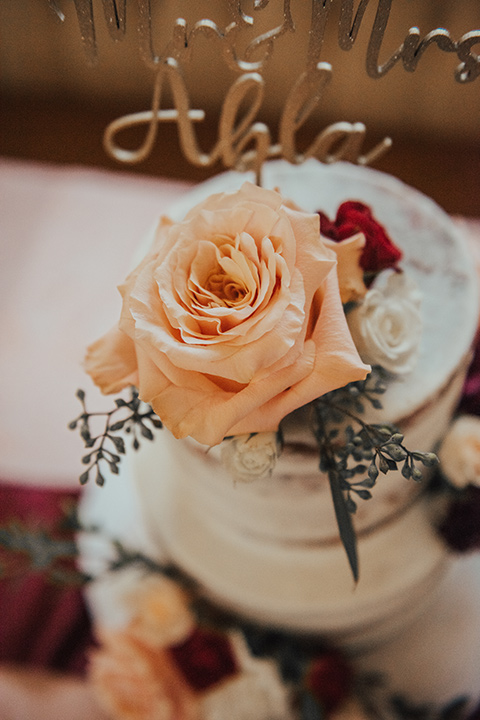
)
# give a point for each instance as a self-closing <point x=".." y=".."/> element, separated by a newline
<point x="435" y="256"/>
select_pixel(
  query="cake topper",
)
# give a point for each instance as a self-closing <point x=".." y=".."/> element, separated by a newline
<point x="243" y="143"/>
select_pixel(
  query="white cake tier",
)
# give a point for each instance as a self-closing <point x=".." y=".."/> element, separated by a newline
<point x="201" y="520"/>
<point x="270" y="550"/>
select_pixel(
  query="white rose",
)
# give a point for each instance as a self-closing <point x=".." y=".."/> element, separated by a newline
<point x="250" y="457"/>
<point x="386" y="327"/>
<point x="460" y="452"/>
<point x="256" y="691"/>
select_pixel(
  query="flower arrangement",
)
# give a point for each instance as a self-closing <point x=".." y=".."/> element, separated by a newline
<point x="248" y="309"/>
<point x="211" y="666"/>
<point x="232" y="320"/>
<point x="179" y="657"/>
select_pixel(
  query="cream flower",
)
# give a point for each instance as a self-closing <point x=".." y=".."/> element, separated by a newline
<point x="160" y="612"/>
<point x="232" y="320"/>
<point x="250" y="457"/>
<point x="256" y="692"/>
<point x="387" y="325"/>
<point x="460" y="452"/>
<point x="133" y="682"/>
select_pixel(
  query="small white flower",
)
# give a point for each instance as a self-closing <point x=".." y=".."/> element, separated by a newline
<point x="257" y="691"/>
<point x="386" y="327"/>
<point x="460" y="452"/>
<point x="250" y="457"/>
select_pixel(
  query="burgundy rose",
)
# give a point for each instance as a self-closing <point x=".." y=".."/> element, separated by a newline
<point x="329" y="680"/>
<point x="461" y="527"/>
<point x="475" y="714"/>
<point x="471" y="390"/>
<point x="205" y="658"/>
<point x="353" y="217"/>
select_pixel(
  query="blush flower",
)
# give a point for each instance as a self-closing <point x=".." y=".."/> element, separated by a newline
<point x="387" y="324"/>
<point x="232" y="320"/>
<point x="161" y="614"/>
<point x="134" y="682"/>
<point x="460" y="452"/>
<point x="250" y="457"/>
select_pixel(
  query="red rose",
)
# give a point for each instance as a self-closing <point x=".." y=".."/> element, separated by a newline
<point x="205" y="658"/>
<point x="353" y="217"/>
<point x="461" y="527"/>
<point x="329" y="680"/>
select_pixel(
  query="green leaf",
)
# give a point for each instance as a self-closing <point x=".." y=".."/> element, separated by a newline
<point x="100" y="480"/>
<point x="416" y="474"/>
<point x="428" y="459"/>
<point x="345" y="525"/>
<point x="85" y="433"/>
<point x="383" y="464"/>
<point x="368" y="482"/>
<point x="364" y="494"/>
<point x="146" y="432"/>
<point x="394" y="451"/>
<point x="119" y="443"/>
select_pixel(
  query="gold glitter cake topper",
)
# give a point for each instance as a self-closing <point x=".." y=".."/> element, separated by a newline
<point x="243" y="142"/>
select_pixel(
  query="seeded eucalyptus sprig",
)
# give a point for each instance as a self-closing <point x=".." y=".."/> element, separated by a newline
<point x="354" y="452"/>
<point x="130" y="416"/>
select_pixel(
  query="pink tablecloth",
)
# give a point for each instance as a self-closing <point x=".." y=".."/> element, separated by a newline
<point x="67" y="236"/>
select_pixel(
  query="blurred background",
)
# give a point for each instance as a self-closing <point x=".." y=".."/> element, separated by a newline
<point x="55" y="103"/>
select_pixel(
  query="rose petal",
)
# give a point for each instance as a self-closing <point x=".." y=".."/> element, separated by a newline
<point x="111" y="361"/>
<point x="350" y="274"/>
<point x="235" y="318"/>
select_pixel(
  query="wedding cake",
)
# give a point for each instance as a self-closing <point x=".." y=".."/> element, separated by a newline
<point x="267" y="344"/>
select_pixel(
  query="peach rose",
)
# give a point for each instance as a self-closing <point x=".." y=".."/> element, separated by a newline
<point x="232" y="320"/>
<point x="161" y="616"/>
<point x="134" y="682"/>
<point x="460" y="452"/>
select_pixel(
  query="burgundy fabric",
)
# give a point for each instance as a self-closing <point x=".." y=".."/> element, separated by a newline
<point x="42" y="623"/>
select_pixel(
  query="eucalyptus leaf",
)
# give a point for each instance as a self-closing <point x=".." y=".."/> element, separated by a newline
<point x="345" y="525"/>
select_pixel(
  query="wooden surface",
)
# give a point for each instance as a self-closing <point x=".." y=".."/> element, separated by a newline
<point x="70" y="132"/>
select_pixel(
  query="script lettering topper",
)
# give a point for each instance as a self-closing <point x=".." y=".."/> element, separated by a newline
<point x="243" y="142"/>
